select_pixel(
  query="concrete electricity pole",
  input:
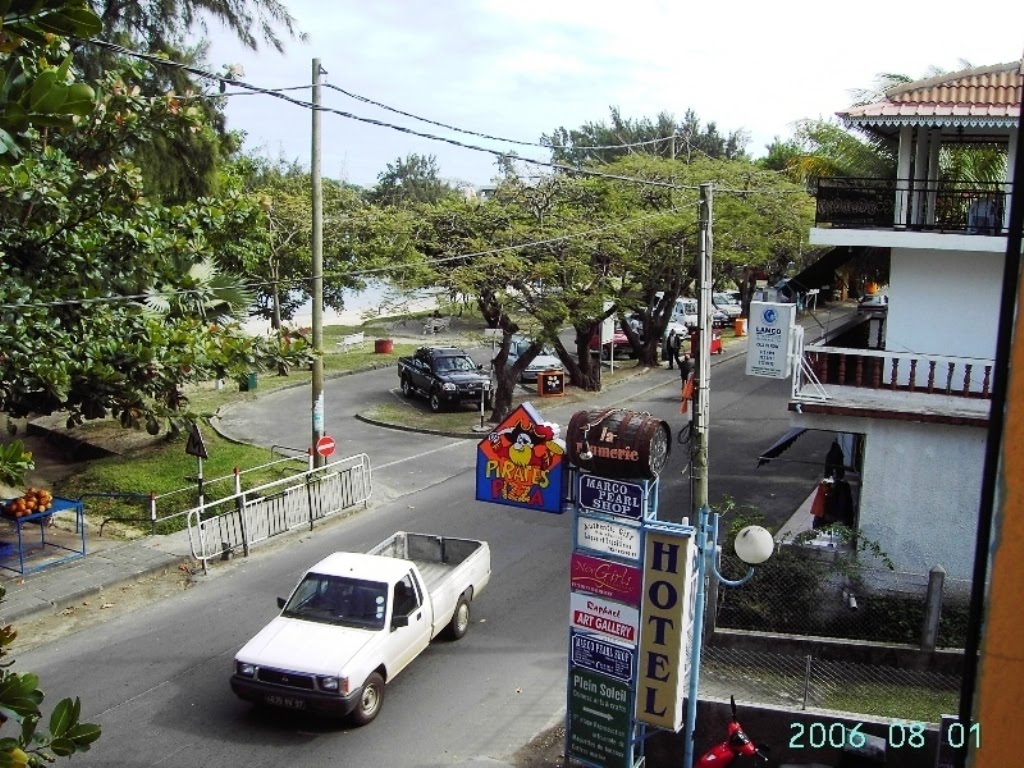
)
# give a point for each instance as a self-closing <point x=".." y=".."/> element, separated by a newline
<point x="702" y="365"/>
<point x="318" y="272"/>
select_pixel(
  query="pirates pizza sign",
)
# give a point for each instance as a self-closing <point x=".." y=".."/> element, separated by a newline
<point x="520" y="463"/>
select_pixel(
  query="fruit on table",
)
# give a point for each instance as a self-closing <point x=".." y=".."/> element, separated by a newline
<point x="33" y="500"/>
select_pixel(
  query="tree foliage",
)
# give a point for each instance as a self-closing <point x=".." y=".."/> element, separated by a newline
<point x="26" y="740"/>
<point x="574" y="250"/>
<point x="111" y="302"/>
<point x="282" y="272"/>
<point x="410" y="179"/>
<point x="164" y="23"/>
<point x="662" y="136"/>
<point x="37" y="85"/>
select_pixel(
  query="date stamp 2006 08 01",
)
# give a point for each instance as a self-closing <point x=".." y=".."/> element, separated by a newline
<point x="901" y="735"/>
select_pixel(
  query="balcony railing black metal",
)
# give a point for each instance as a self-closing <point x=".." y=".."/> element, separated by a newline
<point x="942" y="206"/>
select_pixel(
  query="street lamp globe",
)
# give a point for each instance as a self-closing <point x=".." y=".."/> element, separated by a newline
<point x="754" y="545"/>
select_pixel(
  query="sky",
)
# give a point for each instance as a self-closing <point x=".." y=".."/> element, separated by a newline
<point x="522" y="68"/>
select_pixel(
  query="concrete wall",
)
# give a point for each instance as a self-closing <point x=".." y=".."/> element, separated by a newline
<point x="944" y="302"/>
<point x="920" y="489"/>
<point x="920" y="493"/>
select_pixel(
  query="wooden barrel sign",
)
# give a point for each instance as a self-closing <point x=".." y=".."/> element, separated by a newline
<point x="618" y="443"/>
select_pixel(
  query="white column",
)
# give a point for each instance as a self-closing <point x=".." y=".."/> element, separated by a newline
<point x="920" y="174"/>
<point x="903" y="176"/>
<point x="934" y="148"/>
<point x="1011" y="158"/>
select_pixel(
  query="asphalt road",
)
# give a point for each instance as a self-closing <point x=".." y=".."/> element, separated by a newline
<point x="157" y="681"/>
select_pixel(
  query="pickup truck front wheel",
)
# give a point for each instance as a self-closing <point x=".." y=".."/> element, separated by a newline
<point x="460" y="620"/>
<point x="371" y="699"/>
<point x="435" y="402"/>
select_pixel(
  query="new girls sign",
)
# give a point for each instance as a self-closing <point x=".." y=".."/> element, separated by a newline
<point x="605" y="579"/>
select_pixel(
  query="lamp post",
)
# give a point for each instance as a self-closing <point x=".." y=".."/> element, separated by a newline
<point x="754" y="545"/>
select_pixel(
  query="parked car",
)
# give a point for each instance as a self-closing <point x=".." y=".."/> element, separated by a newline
<point x="727" y="304"/>
<point x="546" y="360"/>
<point x="619" y="343"/>
<point x="873" y="302"/>
<point x="445" y="376"/>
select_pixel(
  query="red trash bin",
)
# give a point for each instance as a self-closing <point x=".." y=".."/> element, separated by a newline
<point x="716" y="342"/>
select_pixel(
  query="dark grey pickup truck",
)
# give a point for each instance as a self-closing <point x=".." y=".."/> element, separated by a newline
<point x="445" y="376"/>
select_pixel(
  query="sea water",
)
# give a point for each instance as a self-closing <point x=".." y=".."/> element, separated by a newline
<point x="376" y="300"/>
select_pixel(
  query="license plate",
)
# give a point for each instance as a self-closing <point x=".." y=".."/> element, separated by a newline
<point x="285" y="701"/>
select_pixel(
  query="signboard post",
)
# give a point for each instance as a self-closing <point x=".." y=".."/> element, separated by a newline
<point x="631" y="598"/>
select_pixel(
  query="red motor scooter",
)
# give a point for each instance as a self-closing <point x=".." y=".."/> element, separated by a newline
<point x="736" y="744"/>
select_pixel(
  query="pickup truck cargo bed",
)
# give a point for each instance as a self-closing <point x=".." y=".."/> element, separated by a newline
<point x="435" y="556"/>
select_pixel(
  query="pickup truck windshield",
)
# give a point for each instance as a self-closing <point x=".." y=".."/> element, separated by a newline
<point x="454" y="364"/>
<point x="339" y="600"/>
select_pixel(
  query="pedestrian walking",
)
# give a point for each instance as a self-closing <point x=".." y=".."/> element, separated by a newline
<point x="686" y="377"/>
<point x="677" y="345"/>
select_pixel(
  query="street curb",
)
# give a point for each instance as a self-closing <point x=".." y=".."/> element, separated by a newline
<point x="43" y="606"/>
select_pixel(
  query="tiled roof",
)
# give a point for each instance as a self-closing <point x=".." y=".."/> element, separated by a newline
<point x="977" y="95"/>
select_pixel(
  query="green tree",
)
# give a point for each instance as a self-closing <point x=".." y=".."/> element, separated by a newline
<point x="110" y="301"/>
<point x="412" y="179"/>
<point x="37" y="85"/>
<point x="281" y="272"/>
<point x="162" y="24"/>
<point x="26" y="741"/>
<point x="662" y="136"/>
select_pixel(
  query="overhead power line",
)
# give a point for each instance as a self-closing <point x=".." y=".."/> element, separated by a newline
<point x="214" y="77"/>
<point x="502" y="139"/>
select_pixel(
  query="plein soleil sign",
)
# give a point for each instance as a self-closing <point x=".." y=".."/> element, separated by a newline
<point x="665" y="614"/>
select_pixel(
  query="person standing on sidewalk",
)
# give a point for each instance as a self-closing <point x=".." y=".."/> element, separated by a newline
<point x="670" y="350"/>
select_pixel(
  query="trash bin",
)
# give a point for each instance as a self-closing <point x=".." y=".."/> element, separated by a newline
<point x="740" y="327"/>
<point x="383" y="346"/>
<point x="716" y="343"/>
<point x="248" y="383"/>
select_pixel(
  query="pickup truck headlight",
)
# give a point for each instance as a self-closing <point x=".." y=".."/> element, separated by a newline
<point x="328" y="684"/>
<point x="448" y="387"/>
<point x="245" y="669"/>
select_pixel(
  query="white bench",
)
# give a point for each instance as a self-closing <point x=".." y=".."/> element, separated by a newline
<point x="351" y="341"/>
<point x="437" y="324"/>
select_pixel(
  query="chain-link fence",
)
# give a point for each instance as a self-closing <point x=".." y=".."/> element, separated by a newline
<point x="815" y="597"/>
<point x="806" y="682"/>
<point x="835" y="595"/>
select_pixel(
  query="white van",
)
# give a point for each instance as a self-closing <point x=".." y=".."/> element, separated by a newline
<point x="684" y="315"/>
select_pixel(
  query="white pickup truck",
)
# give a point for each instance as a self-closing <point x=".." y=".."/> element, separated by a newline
<point x="355" y="620"/>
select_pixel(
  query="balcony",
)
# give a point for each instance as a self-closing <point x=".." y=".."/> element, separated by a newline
<point x="892" y="385"/>
<point x="917" y="205"/>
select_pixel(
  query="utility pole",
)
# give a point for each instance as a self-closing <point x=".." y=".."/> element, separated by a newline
<point x="702" y="365"/>
<point x="318" y="273"/>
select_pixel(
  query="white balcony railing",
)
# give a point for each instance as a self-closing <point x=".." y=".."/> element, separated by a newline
<point x="823" y="370"/>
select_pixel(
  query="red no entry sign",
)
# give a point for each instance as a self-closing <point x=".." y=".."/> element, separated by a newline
<point x="325" y="446"/>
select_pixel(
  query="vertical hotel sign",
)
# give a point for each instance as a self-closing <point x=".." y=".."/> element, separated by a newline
<point x="771" y="332"/>
<point x="666" y="614"/>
